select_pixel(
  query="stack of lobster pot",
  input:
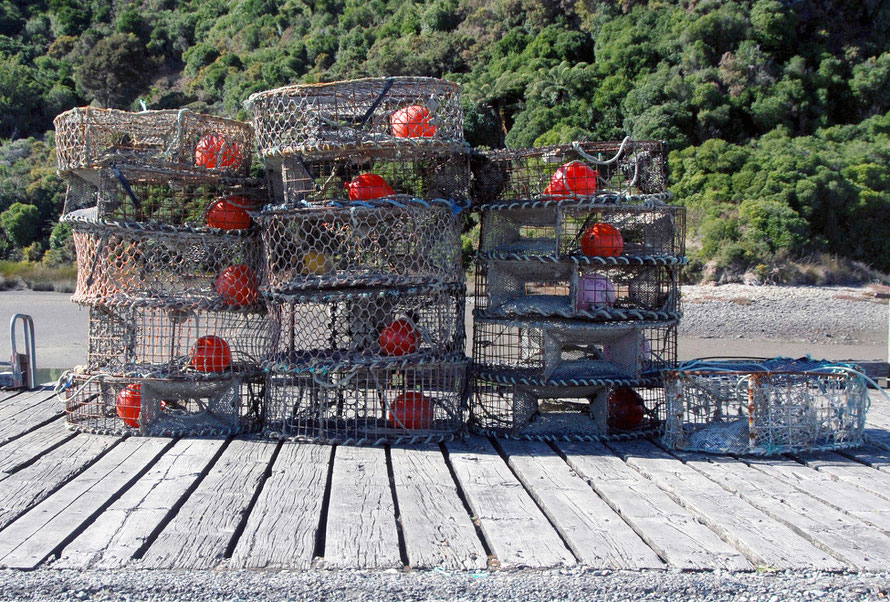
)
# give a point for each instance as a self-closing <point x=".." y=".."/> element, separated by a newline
<point x="363" y="278"/>
<point x="169" y="265"/>
<point x="576" y="290"/>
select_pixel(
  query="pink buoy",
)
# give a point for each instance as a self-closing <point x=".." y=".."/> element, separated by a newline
<point x="595" y="291"/>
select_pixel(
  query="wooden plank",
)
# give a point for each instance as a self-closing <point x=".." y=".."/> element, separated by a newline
<point x="437" y="529"/>
<point x="23" y="489"/>
<point x="32" y="445"/>
<point x="518" y="533"/>
<point x="842" y="536"/>
<point x="361" y="528"/>
<point x="866" y="506"/>
<point x="667" y="527"/>
<point x="200" y="533"/>
<point x="15" y="401"/>
<point x="765" y="541"/>
<point x="38" y="533"/>
<point x="25" y="419"/>
<point x="283" y="527"/>
<point x="878" y="437"/>
<point x="119" y="532"/>
<point x="875" y="457"/>
<point x="850" y="471"/>
<point x="593" y="531"/>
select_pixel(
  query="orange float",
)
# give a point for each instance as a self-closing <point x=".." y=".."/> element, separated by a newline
<point x="626" y="409"/>
<point x="228" y="213"/>
<point x="412" y="411"/>
<point x="399" y="337"/>
<point x="237" y="285"/>
<point x="368" y="186"/>
<point x="574" y="179"/>
<point x="129" y="404"/>
<point x="210" y="354"/>
<point x="213" y="151"/>
<point x="412" y="122"/>
<point x="602" y="240"/>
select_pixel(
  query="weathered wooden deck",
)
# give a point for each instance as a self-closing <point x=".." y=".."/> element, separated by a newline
<point x="86" y="501"/>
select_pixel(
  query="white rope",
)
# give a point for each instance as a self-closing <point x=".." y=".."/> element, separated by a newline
<point x="577" y="146"/>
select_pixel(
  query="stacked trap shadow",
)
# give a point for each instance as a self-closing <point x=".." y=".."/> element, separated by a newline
<point x="363" y="279"/>
<point x="576" y="290"/>
<point x="169" y="266"/>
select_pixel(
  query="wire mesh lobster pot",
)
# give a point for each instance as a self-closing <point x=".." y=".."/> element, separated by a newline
<point x="138" y="194"/>
<point x="607" y="170"/>
<point x="123" y="262"/>
<point x="563" y="289"/>
<point x="355" y="327"/>
<point x="167" y="341"/>
<point x="589" y="233"/>
<point x="618" y="411"/>
<point x="89" y="137"/>
<point x="765" y="407"/>
<point x="367" y="405"/>
<point x="569" y="353"/>
<point x="129" y="405"/>
<point x="378" y="243"/>
<point x="366" y="175"/>
<point x="371" y="113"/>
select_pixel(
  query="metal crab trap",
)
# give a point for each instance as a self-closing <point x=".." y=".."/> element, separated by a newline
<point x="181" y="140"/>
<point x="165" y="341"/>
<point x="136" y="194"/>
<point x="571" y="353"/>
<point x="610" y="171"/>
<point x="587" y="233"/>
<point x="764" y="407"/>
<point x="400" y="113"/>
<point x="541" y="288"/>
<point x="123" y="262"/>
<point x="134" y="405"/>
<point x="374" y="243"/>
<point x="592" y="412"/>
<point x="355" y="405"/>
<point x="355" y="327"/>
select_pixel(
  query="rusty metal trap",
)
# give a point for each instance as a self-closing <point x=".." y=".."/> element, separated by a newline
<point x="531" y="288"/>
<point x="361" y="327"/>
<point x="764" y="407"/>
<point x="609" y="171"/>
<point x="127" y="405"/>
<point x="398" y="113"/>
<point x="164" y="341"/>
<point x="135" y="194"/>
<point x="397" y="404"/>
<point x="181" y="140"/>
<point x="368" y="243"/>
<point x="123" y="263"/>
<point x="594" y="412"/>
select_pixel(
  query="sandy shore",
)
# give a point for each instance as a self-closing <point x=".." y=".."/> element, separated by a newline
<point x="762" y="321"/>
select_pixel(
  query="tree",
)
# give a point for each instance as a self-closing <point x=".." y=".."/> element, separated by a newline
<point x="21" y="223"/>
<point x="115" y="71"/>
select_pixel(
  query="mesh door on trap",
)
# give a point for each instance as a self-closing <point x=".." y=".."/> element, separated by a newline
<point x="163" y="341"/>
<point x="523" y="288"/>
<point x="378" y="243"/>
<point x="594" y="411"/>
<point x="368" y="175"/>
<point x="367" y="405"/>
<point x="101" y="403"/>
<point x="765" y="408"/>
<point x="89" y="137"/>
<point x="586" y="232"/>
<point x="567" y="353"/>
<point x="362" y="114"/>
<point x="122" y="263"/>
<point x="129" y="193"/>
<point x="353" y="327"/>
<point x="572" y="171"/>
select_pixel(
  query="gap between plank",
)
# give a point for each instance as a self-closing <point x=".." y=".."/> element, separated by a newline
<point x="462" y="496"/>
<point x="320" y="533"/>
<point x="242" y="524"/>
<point x="400" y="534"/>
<point x="37" y="457"/>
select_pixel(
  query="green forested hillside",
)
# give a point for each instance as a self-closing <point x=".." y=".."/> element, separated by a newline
<point x="778" y="111"/>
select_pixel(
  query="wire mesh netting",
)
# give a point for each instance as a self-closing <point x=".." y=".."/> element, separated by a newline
<point x="165" y="341"/>
<point x="396" y="404"/>
<point x="374" y="243"/>
<point x="372" y="113"/>
<point x="572" y="353"/>
<point x="583" y="231"/>
<point x="595" y="412"/>
<point x="123" y="263"/>
<point x="364" y="176"/>
<point x="100" y="403"/>
<point x="89" y="137"/>
<point x="765" y="407"/>
<point x="579" y="170"/>
<point x="365" y="326"/>
<point x="516" y="289"/>
<point x="135" y="194"/>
